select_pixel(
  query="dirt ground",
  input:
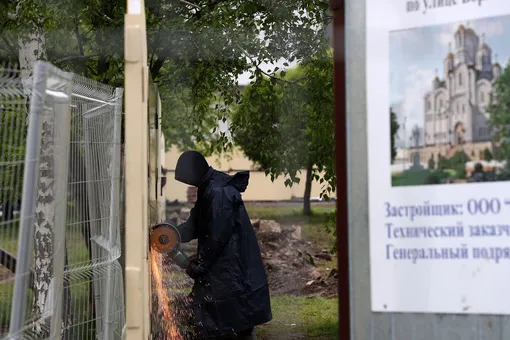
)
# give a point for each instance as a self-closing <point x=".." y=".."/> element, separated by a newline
<point x="292" y="265"/>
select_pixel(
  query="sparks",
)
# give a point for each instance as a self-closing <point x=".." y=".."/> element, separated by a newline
<point x="163" y="301"/>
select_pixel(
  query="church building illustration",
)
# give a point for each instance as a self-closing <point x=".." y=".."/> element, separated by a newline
<point x="455" y="114"/>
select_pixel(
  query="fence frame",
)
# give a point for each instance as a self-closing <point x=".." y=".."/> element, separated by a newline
<point x="61" y="150"/>
<point x="113" y="239"/>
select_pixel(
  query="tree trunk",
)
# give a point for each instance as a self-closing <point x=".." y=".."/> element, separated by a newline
<point x="32" y="49"/>
<point x="307" y="208"/>
<point x="43" y="235"/>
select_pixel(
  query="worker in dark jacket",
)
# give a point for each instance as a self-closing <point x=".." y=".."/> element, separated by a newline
<point x="231" y="292"/>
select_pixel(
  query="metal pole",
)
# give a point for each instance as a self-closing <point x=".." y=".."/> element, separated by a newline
<point x="114" y="214"/>
<point x="29" y="196"/>
<point x="62" y="139"/>
<point x="342" y="210"/>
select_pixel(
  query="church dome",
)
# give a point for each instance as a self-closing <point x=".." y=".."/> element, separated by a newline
<point x="496" y="70"/>
<point x="484" y="47"/>
<point x="466" y="31"/>
<point x="450" y="56"/>
<point x="436" y="83"/>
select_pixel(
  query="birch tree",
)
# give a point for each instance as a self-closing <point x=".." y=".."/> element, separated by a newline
<point x="29" y="18"/>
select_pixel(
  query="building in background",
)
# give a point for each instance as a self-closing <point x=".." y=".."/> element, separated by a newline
<point x="455" y="116"/>
<point x="260" y="188"/>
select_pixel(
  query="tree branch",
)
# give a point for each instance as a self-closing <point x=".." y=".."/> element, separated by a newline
<point x="189" y="3"/>
<point x="272" y="76"/>
<point x="156" y="67"/>
<point x="77" y="57"/>
<point x="78" y="37"/>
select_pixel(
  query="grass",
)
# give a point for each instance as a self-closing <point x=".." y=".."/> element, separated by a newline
<point x="295" y="316"/>
<point x="289" y="214"/>
<point x="301" y="317"/>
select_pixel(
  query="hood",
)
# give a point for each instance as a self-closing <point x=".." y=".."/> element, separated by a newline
<point x="239" y="181"/>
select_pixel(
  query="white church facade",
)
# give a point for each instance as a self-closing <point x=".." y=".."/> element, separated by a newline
<point x="455" y="114"/>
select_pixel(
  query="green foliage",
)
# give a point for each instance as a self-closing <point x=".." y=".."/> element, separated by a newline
<point x="195" y="54"/>
<point x="499" y="114"/>
<point x="394" y="126"/>
<point x="487" y="155"/>
<point x="431" y="163"/>
<point x="12" y="150"/>
<point x="412" y="178"/>
<point x="442" y="162"/>
<point x="458" y="163"/>
<point x="284" y="123"/>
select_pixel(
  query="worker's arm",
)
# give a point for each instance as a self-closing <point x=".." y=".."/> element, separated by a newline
<point x="188" y="229"/>
<point x="221" y="221"/>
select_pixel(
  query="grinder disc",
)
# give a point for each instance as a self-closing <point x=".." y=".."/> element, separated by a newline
<point x="164" y="238"/>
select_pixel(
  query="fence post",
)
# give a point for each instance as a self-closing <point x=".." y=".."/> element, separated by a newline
<point x="114" y="213"/>
<point x="137" y="272"/>
<point x="29" y="196"/>
<point x="62" y="116"/>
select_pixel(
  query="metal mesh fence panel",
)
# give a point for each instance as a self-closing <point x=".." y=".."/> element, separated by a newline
<point x="13" y="121"/>
<point x="68" y="281"/>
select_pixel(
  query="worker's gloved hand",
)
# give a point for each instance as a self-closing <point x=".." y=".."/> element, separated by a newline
<point x="195" y="269"/>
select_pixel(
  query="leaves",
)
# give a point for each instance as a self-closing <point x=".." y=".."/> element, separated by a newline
<point x="196" y="54"/>
<point x="394" y="126"/>
<point x="499" y="115"/>
<point x="282" y="124"/>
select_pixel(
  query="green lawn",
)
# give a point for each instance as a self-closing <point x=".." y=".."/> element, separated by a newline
<point x="303" y="318"/>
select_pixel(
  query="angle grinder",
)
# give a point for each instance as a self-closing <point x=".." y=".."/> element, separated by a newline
<point x="166" y="239"/>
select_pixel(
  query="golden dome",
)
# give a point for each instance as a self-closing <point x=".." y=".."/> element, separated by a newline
<point x="467" y="31"/>
<point x="450" y="56"/>
<point x="484" y="47"/>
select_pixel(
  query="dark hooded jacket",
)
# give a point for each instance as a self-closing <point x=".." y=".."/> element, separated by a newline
<point x="233" y="294"/>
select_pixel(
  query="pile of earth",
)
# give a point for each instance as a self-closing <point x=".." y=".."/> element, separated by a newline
<point x="292" y="264"/>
